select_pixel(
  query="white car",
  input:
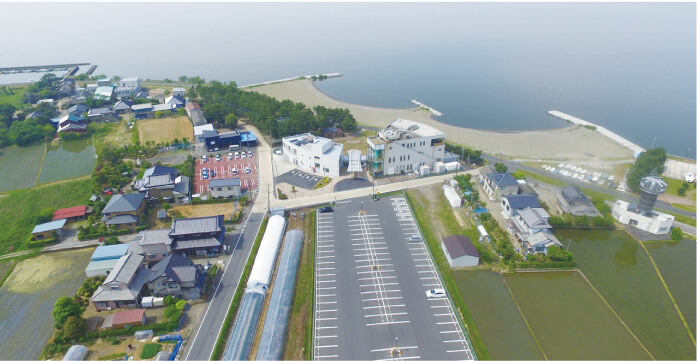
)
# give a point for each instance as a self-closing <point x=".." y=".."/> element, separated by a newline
<point x="234" y="171"/>
<point x="230" y="156"/>
<point x="244" y="155"/>
<point x="436" y="293"/>
<point x="237" y="155"/>
<point x="217" y="157"/>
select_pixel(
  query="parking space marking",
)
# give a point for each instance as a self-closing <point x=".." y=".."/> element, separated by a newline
<point x="386" y="323"/>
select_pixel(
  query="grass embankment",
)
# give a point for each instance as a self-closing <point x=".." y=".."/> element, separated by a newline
<point x="19" y="209"/>
<point x="232" y="311"/>
<point x="427" y="229"/>
<point x="299" y="347"/>
<point x="16" y="98"/>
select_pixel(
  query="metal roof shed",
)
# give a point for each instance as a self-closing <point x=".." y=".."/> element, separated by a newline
<point x="49" y="226"/>
<point x="115" y="251"/>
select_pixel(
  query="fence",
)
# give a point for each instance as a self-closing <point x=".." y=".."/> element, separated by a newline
<point x="179" y="339"/>
<point x="178" y="146"/>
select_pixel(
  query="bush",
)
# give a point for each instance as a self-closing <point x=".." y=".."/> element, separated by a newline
<point x="181" y="304"/>
<point x="150" y="350"/>
<point x="676" y="234"/>
<point x="74" y="328"/>
<point x="172" y="313"/>
<point x="64" y="308"/>
<point x="112" y="240"/>
<point x="281" y="195"/>
<point x="169" y="300"/>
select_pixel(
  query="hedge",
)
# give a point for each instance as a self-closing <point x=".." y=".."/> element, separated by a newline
<point x="158" y="328"/>
<point x="119" y="232"/>
<point x="41" y="242"/>
<point x="229" y="318"/>
<point x="570" y="264"/>
<point x="195" y="201"/>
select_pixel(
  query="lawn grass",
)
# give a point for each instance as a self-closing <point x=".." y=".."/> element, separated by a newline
<point x="424" y="220"/>
<point x="219" y="347"/>
<point x="349" y="143"/>
<point x="299" y="347"/>
<point x="19" y="166"/>
<point x="674" y="184"/>
<point x="687" y="207"/>
<point x="165" y="130"/>
<point x="683" y="219"/>
<point x="15" y="99"/>
<point x="19" y="209"/>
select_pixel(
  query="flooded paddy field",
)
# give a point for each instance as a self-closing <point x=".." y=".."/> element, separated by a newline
<point x="68" y="159"/>
<point x="28" y="296"/>
<point x="569" y="319"/>
<point x="19" y="166"/>
<point x="497" y="318"/>
<point x="676" y="262"/>
<point x="617" y="266"/>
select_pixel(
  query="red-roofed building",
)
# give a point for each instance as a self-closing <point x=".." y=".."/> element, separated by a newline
<point x="191" y="106"/>
<point x="122" y="319"/>
<point x="77" y="213"/>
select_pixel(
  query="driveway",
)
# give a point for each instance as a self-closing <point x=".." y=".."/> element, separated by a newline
<point x="299" y="178"/>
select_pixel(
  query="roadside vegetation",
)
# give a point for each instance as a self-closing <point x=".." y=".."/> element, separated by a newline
<point x="649" y="162"/>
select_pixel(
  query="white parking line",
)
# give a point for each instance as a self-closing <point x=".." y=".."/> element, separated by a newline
<point x="381" y="306"/>
<point x="380" y="284"/>
<point x="372" y="278"/>
<point x="328" y="336"/>
<point x="323" y="346"/>
<point x="386" y="314"/>
<point x="322" y="356"/>
<point x="456" y="331"/>
<point x="382" y="298"/>
<point x="379" y="291"/>
<point x="318" y="311"/>
<point x="445" y="323"/>
<point x="385" y="323"/>
<point x="323" y="327"/>
<point x="391" y="348"/>
<point x="457" y="351"/>
<point x="454" y="340"/>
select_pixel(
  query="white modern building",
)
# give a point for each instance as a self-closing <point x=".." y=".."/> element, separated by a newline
<point x="128" y="87"/>
<point x="315" y="154"/>
<point x="405" y="146"/>
<point x="653" y="222"/>
<point x="198" y="131"/>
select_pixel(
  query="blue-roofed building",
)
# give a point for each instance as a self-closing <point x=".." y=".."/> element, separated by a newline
<point x="115" y="251"/>
<point x="45" y="230"/>
<point x="500" y="184"/>
<point x="247" y="138"/>
<point x="513" y="203"/>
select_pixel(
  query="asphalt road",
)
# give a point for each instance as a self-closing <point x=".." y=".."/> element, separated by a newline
<point x="513" y="166"/>
<point x="201" y="342"/>
<point x="370" y="288"/>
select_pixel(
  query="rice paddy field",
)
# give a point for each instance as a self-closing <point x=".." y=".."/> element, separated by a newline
<point x="19" y="166"/>
<point x="28" y="297"/>
<point x="68" y="159"/>
<point x="165" y="130"/>
<point x="617" y="266"/>
<point x="500" y="325"/>
<point x="570" y="320"/>
<point x="676" y="262"/>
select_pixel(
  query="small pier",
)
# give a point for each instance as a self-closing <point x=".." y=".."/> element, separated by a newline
<point x="91" y="70"/>
<point x="39" y="68"/>
<point x="422" y="105"/>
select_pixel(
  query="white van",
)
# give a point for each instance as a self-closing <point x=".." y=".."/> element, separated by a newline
<point x="234" y="147"/>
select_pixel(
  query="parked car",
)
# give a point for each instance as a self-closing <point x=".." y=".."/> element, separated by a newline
<point x="415" y="238"/>
<point x="247" y="170"/>
<point x="234" y="171"/>
<point x="244" y="155"/>
<point x="250" y="154"/>
<point x="230" y="156"/>
<point x="326" y="210"/>
<point x="217" y="157"/>
<point x="216" y="149"/>
<point x="237" y="155"/>
<point x="204" y="158"/>
<point x="212" y="173"/>
<point x="435" y="293"/>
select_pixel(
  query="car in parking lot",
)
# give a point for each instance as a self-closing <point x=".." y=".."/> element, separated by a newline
<point x="217" y="157"/>
<point x="212" y="173"/>
<point x="247" y="170"/>
<point x="234" y="171"/>
<point x="204" y="158"/>
<point x="436" y="293"/>
<point x="326" y="210"/>
<point x="244" y="154"/>
<point x="249" y="154"/>
<point x="415" y="238"/>
<point x="216" y="149"/>
<point x="237" y="155"/>
<point x="230" y="156"/>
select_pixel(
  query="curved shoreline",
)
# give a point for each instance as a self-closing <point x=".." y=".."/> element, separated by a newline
<point x="571" y="142"/>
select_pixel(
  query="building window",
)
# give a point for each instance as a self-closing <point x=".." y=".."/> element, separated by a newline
<point x="172" y="285"/>
<point x="114" y="287"/>
<point x="151" y="255"/>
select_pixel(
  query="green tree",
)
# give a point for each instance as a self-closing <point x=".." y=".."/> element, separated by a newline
<point x="676" y="234"/>
<point x="583" y="221"/>
<point x="64" y="308"/>
<point x="74" y="328"/>
<point x="183" y="78"/>
<point x="45" y="215"/>
<point x="648" y="162"/>
<point x="181" y="304"/>
<point x="231" y="120"/>
<point x="172" y="313"/>
<point x="518" y="175"/>
<point x="681" y="191"/>
<point x="500" y="168"/>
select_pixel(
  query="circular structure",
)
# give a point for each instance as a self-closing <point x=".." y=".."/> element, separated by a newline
<point x="352" y="183"/>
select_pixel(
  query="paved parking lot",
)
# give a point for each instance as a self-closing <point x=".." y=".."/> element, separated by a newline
<point x="299" y="178"/>
<point x="370" y="285"/>
<point x="226" y="168"/>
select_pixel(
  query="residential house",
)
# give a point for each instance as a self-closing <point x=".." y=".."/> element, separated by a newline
<point x="198" y="131"/>
<point x="513" y="203"/>
<point x="175" y="275"/>
<point x="167" y="109"/>
<point x="460" y="251"/>
<point x="128" y="87"/>
<point x="66" y="86"/>
<point x="70" y="126"/>
<point x="122" y="319"/>
<point x="179" y="92"/>
<point x="79" y="98"/>
<point x="175" y="101"/>
<point x="197" y="118"/>
<point x="100" y="114"/>
<point x="122" y="106"/>
<point x="540" y="242"/>
<point x="78" y="110"/>
<point x="160" y="182"/>
<point x="405" y="146"/>
<point x="531" y="220"/>
<point x="34" y="114"/>
<point x="224" y="187"/>
<point x="45" y="230"/>
<point x="123" y="210"/>
<point x="143" y="111"/>
<point x="499" y="184"/>
<point x="72" y="214"/>
<point x="187" y="236"/>
<point x="104" y="82"/>
<point x="124" y="287"/>
<point x="573" y="201"/>
<point x="191" y="106"/>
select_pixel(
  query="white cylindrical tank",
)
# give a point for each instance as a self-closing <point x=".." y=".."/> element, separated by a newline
<point x="266" y="257"/>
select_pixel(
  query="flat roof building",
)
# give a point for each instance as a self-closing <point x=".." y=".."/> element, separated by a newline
<point x="315" y="154"/>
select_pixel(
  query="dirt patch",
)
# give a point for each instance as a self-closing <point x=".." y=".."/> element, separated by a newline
<point x="165" y="130"/>
<point x="205" y="210"/>
<point x="423" y="195"/>
<point x="33" y="274"/>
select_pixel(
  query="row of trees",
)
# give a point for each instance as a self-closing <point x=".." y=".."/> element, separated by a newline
<point x="473" y="156"/>
<point x="224" y="104"/>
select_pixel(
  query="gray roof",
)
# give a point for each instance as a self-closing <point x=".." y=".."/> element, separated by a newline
<point x="157" y="236"/>
<point x="459" y="245"/>
<point x="523" y="201"/>
<point x="158" y="170"/>
<point x="184" y="226"/>
<point x="105" y="293"/>
<point x="99" y="111"/>
<point x="77" y="108"/>
<point x="123" y="105"/>
<point x="162" y="107"/>
<point x="197" y="117"/>
<point x="49" y="226"/>
<point x="502" y="179"/>
<point x="122" y="219"/>
<point x="207" y="242"/>
<point x="209" y="133"/>
<point x="124" y="203"/>
<point x="543" y="238"/>
<point x="174" y="99"/>
<point x="224" y="182"/>
<point x="533" y="218"/>
<point x="144" y="106"/>
<point x="182" y="186"/>
<point x="125" y="269"/>
<point x="178" y="268"/>
<point x="574" y="195"/>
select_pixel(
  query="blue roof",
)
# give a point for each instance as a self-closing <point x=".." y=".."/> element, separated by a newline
<point x="49" y="226"/>
<point x="115" y="251"/>
<point x="523" y="201"/>
<point x="248" y="137"/>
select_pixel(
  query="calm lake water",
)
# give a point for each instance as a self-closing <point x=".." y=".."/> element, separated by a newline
<point x="499" y="66"/>
<point x="621" y="271"/>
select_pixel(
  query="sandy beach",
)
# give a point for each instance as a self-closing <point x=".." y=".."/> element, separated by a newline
<point x="570" y="143"/>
